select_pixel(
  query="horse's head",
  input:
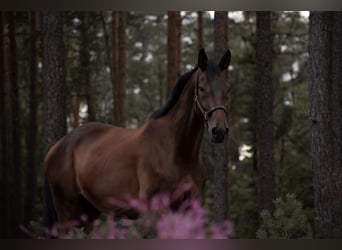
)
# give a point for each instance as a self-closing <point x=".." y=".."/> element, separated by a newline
<point x="211" y="94"/>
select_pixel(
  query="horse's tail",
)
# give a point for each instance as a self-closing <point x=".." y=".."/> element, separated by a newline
<point x="49" y="212"/>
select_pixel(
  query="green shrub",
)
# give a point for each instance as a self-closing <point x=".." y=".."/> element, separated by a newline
<point x="287" y="222"/>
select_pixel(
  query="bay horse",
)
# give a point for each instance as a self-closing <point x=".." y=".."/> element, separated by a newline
<point x="97" y="161"/>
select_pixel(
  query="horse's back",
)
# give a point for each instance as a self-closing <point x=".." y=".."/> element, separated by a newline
<point x="81" y="134"/>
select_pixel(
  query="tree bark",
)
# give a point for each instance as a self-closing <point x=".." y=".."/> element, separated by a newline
<point x="325" y="77"/>
<point x="31" y="136"/>
<point x="173" y="49"/>
<point x="16" y="195"/>
<point x="76" y="103"/>
<point x="264" y="95"/>
<point x="200" y="29"/>
<point x="118" y="67"/>
<point x="85" y="69"/>
<point x="2" y="134"/>
<point x="219" y="151"/>
<point x="336" y="81"/>
<point x="121" y="80"/>
<point x="161" y="74"/>
<point x="54" y="92"/>
<point x="8" y="146"/>
<point x="114" y="64"/>
<point x="5" y="135"/>
<point x="220" y="33"/>
<point x="117" y="64"/>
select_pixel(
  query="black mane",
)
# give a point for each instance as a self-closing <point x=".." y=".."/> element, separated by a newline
<point x="176" y="92"/>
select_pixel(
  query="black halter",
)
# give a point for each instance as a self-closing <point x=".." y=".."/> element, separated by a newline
<point x="205" y="113"/>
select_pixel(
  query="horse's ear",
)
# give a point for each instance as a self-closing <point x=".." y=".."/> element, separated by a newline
<point x="202" y="59"/>
<point x="225" y="60"/>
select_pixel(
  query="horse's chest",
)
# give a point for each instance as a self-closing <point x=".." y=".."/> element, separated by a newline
<point x="168" y="177"/>
<point x="178" y="182"/>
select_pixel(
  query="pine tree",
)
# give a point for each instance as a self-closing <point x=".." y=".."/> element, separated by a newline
<point x="54" y="92"/>
<point x="264" y="96"/>
<point x="327" y="177"/>
<point x="219" y="152"/>
<point x="287" y="222"/>
<point x="174" y="49"/>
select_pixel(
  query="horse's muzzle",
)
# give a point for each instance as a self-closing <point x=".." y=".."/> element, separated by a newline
<point x="218" y="134"/>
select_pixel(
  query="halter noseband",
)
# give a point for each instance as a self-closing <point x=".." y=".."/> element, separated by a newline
<point x="205" y="113"/>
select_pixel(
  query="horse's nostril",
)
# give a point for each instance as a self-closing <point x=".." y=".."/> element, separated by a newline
<point x="214" y="131"/>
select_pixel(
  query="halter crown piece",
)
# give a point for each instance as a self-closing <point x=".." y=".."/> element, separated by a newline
<point x="205" y="113"/>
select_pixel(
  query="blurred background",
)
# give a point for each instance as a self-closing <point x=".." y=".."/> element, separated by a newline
<point x="119" y="67"/>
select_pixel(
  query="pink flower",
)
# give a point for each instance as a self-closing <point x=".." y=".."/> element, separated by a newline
<point x="223" y="231"/>
<point x="157" y="219"/>
<point x="188" y="223"/>
<point x="178" y="226"/>
<point x="84" y="218"/>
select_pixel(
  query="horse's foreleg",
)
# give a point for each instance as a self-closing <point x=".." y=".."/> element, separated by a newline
<point x="70" y="211"/>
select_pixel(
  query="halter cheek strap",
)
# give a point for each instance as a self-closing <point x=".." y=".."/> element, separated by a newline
<point x="204" y="112"/>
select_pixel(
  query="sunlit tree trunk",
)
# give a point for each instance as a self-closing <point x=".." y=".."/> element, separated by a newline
<point x="173" y="49"/>
<point x="118" y="66"/>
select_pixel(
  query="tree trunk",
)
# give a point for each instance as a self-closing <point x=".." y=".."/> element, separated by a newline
<point x="118" y="67"/>
<point x="219" y="151"/>
<point x="31" y="136"/>
<point x="200" y="29"/>
<point x="325" y="77"/>
<point x="85" y="69"/>
<point x="112" y="59"/>
<point x="2" y="134"/>
<point x="54" y="92"/>
<point x="75" y="103"/>
<point x="264" y="95"/>
<point x="121" y="80"/>
<point x="114" y="64"/>
<point x="117" y="64"/>
<point x="160" y="56"/>
<point x="8" y="147"/>
<point x="220" y="33"/>
<point x="337" y="113"/>
<point x="5" y="135"/>
<point x="16" y="195"/>
<point x="173" y="49"/>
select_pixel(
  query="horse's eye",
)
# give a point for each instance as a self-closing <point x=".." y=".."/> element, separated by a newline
<point x="201" y="89"/>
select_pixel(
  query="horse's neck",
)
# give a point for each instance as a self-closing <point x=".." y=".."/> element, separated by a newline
<point x="185" y="124"/>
